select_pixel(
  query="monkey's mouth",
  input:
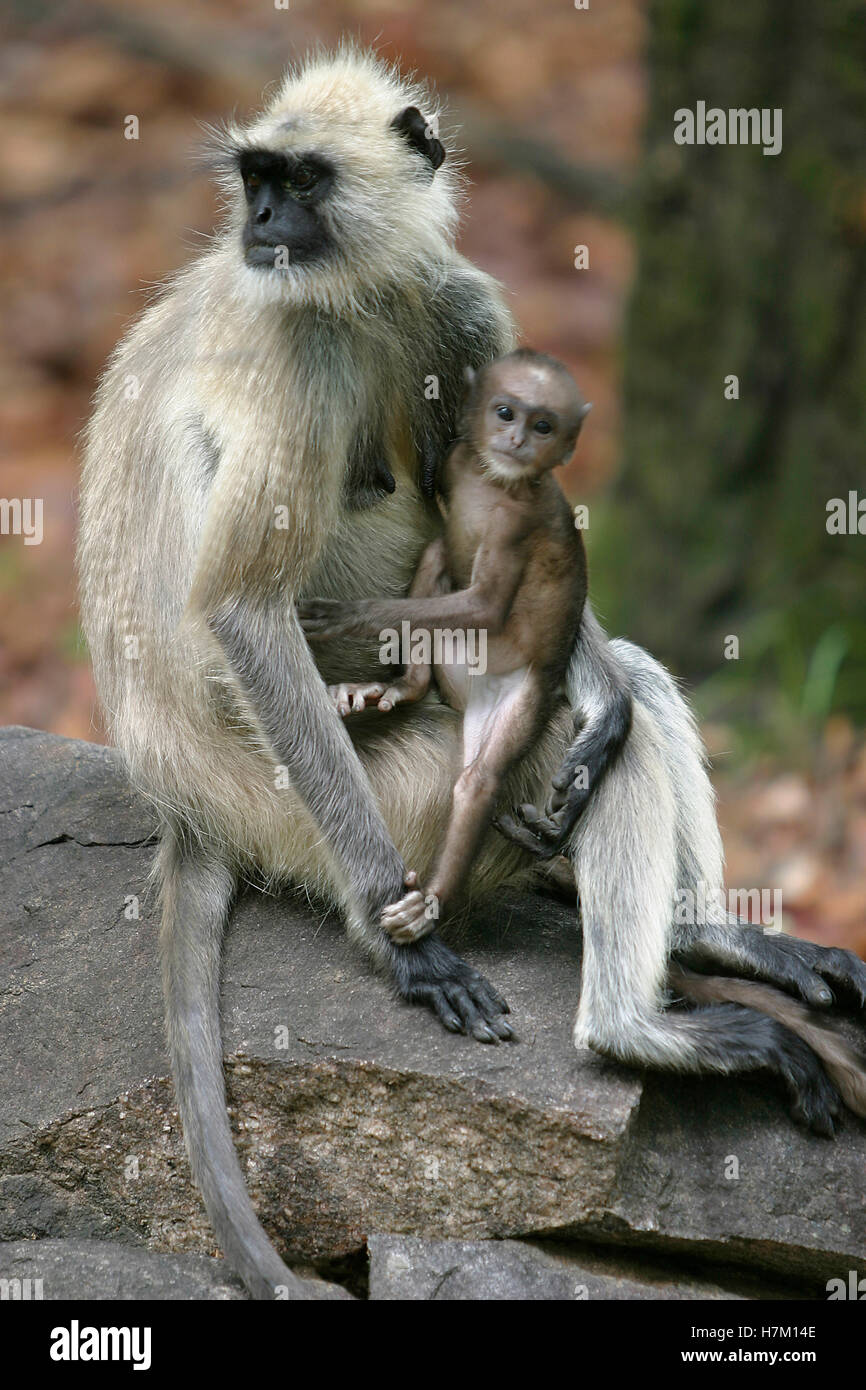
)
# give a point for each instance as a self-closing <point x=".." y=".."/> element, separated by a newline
<point x="506" y="467"/>
<point x="264" y="255"/>
<point x="507" y="463"/>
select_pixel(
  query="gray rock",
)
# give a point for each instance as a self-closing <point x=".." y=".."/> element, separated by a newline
<point x="407" y="1269"/>
<point x="93" y="1269"/>
<point x="353" y="1112"/>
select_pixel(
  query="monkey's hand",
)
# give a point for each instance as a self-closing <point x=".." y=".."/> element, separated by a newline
<point x="543" y="835"/>
<point x="325" y="618"/>
<point x="429" y="972"/>
<point x="413" y="917"/>
<point x="546" y="833"/>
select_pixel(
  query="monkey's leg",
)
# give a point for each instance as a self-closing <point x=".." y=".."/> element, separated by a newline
<point x="262" y="645"/>
<point x="602" y="704"/>
<point x="503" y="718"/>
<point x="721" y="941"/>
<point x="197" y="891"/>
<point x="625" y="857"/>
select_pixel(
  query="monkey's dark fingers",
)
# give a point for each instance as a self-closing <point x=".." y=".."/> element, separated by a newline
<point x="319" y="608"/>
<point x="518" y="833"/>
<point x="547" y="827"/>
<point x="563" y="779"/>
<point x="556" y="801"/>
<point x="487" y="999"/>
<point x="434" y="997"/>
<point x="844" y="971"/>
<point x="428" y="972"/>
<point x="476" y="1009"/>
<point x="801" y="967"/>
<point x="324" y="631"/>
<point x="461" y="1002"/>
<point x="814" y="1100"/>
<point x="323" y="617"/>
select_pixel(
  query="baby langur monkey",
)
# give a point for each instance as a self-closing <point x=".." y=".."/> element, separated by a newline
<point x="510" y="563"/>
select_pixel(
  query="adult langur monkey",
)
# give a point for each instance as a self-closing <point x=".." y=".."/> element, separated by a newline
<point x="264" y="432"/>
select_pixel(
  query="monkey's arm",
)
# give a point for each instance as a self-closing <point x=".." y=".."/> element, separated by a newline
<point x="414" y="683"/>
<point x="430" y="578"/>
<point x="485" y="604"/>
<point x="603" y="712"/>
<point x="240" y="623"/>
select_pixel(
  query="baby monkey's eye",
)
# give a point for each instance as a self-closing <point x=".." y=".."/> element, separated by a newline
<point x="505" y="412"/>
<point x="542" y="427"/>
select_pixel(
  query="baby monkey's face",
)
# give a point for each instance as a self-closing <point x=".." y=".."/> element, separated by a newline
<point x="528" y="419"/>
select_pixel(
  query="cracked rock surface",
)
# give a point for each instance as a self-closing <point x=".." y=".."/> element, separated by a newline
<point x="355" y="1114"/>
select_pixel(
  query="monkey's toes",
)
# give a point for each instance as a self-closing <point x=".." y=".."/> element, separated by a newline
<point x="521" y="835"/>
<point x="814" y="1100"/>
<point x="431" y="973"/>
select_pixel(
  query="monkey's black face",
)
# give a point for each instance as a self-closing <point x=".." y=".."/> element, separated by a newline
<point x="284" y="196"/>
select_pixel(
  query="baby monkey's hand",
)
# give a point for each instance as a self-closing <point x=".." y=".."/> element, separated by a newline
<point x="325" y="618"/>
<point x="412" y="917"/>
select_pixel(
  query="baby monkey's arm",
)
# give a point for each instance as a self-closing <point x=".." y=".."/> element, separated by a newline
<point x="430" y="578"/>
<point x="485" y="604"/>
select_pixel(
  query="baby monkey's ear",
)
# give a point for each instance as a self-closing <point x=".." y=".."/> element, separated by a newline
<point x="469" y="376"/>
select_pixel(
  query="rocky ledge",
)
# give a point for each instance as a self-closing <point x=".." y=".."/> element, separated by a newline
<point x="388" y="1154"/>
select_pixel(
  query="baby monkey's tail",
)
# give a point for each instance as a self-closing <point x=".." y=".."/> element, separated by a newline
<point x="844" y="1066"/>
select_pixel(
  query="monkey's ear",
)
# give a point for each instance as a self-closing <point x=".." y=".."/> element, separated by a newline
<point x="469" y="375"/>
<point x="417" y="133"/>
<point x="585" y="411"/>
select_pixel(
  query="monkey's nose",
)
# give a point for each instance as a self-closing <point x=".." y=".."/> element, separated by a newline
<point x="263" y="215"/>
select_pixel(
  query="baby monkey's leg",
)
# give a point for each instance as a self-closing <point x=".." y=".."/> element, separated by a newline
<point x="503" y="719"/>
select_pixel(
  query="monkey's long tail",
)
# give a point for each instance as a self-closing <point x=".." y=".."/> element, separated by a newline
<point x="846" y="1069"/>
<point x="196" y="892"/>
<point x="627" y="859"/>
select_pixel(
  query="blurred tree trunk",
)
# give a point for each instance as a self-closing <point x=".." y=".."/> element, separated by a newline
<point x="750" y="265"/>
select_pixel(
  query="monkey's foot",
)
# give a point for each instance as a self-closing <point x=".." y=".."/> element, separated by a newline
<point x="430" y="973"/>
<point x="544" y="836"/>
<point x="546" y="833"/>
<point x="813" y="1100"/>
<point x="817" y="974"/>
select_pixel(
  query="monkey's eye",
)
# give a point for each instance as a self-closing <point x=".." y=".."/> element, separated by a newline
<point x="302" y="180"/>
<point x="253" y="183"/>
<point x="505" y="412"/>
<point x="542" y="427"/>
